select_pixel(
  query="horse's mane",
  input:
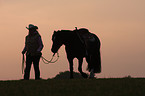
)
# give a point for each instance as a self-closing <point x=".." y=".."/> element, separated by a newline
<point x="81" y="31"/>
<point x="65" y="32"/>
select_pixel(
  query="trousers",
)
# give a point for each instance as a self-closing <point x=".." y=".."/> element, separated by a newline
<point x="29" y="61"/>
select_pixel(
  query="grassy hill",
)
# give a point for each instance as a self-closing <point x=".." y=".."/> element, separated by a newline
<point x="74" y="87"/>
<point x="66" y="75"/>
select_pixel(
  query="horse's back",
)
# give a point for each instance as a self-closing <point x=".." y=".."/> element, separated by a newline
<point x="90" y="40"/>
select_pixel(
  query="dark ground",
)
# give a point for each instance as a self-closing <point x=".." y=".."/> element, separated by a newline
<point x="74" y="87"/>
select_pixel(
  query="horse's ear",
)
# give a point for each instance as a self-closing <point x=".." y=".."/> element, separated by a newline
<point x="76" y="28"/>
<point x="54" y="31"/>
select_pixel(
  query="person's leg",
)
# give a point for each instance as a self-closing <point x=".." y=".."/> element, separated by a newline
<point x="36" y="60"/>
<point x="28" y="67"/>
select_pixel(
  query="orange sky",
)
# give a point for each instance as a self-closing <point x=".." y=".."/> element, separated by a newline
<point x="118" y="23"/>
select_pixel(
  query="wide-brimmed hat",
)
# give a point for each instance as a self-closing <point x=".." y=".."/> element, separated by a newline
<point x="31" y="26"/>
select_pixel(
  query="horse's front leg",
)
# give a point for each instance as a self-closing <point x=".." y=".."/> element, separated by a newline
<point x="80" y="61"/>
<point x="71" y="67"/>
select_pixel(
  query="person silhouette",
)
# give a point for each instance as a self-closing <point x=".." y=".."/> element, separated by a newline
<point x="33" y="48"/>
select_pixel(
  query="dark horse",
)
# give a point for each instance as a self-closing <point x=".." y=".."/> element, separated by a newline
<point x="79" y="43"/>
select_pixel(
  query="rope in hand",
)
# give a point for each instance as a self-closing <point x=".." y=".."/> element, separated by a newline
<point x="43" y="59"/>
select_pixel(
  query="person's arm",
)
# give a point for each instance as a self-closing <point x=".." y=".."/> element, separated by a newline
<point x="40" y="44"/>
<point x="24" y="50"/>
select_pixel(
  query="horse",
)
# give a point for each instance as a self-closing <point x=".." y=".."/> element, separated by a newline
<point x="79" y="43"/>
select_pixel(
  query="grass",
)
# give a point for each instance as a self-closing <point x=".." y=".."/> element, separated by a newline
<point x="74" y="87"/>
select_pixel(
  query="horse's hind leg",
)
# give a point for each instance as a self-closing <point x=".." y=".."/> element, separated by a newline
<point x="71" y="67"/>
<point x="92" y="73"/>
<point x="80" y="68"/>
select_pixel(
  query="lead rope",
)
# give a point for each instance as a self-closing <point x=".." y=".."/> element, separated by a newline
<point x="47" y="61"/>
<point x="43" y="59"/>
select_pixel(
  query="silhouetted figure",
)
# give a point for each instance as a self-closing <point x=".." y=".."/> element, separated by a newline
<point x="33" y="48"/>
<point x="79" y="43"/>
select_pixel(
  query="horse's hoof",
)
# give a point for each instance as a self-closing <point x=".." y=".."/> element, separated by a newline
<point x="92" y="78"/>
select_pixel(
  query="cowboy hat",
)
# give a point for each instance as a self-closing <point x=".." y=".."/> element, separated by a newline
<point x="31" y="26"/>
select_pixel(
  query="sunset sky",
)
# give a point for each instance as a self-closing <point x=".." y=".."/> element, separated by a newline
<point x="120" y="25"/>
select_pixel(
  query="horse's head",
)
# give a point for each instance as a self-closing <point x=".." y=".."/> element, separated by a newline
<point x="57" y="42"/>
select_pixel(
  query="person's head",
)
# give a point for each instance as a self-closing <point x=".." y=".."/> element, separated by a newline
<point x="32" y="28"/>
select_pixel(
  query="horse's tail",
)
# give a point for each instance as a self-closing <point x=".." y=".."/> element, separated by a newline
<point x="97" y="62"/>
<point x="94" y="62"/>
